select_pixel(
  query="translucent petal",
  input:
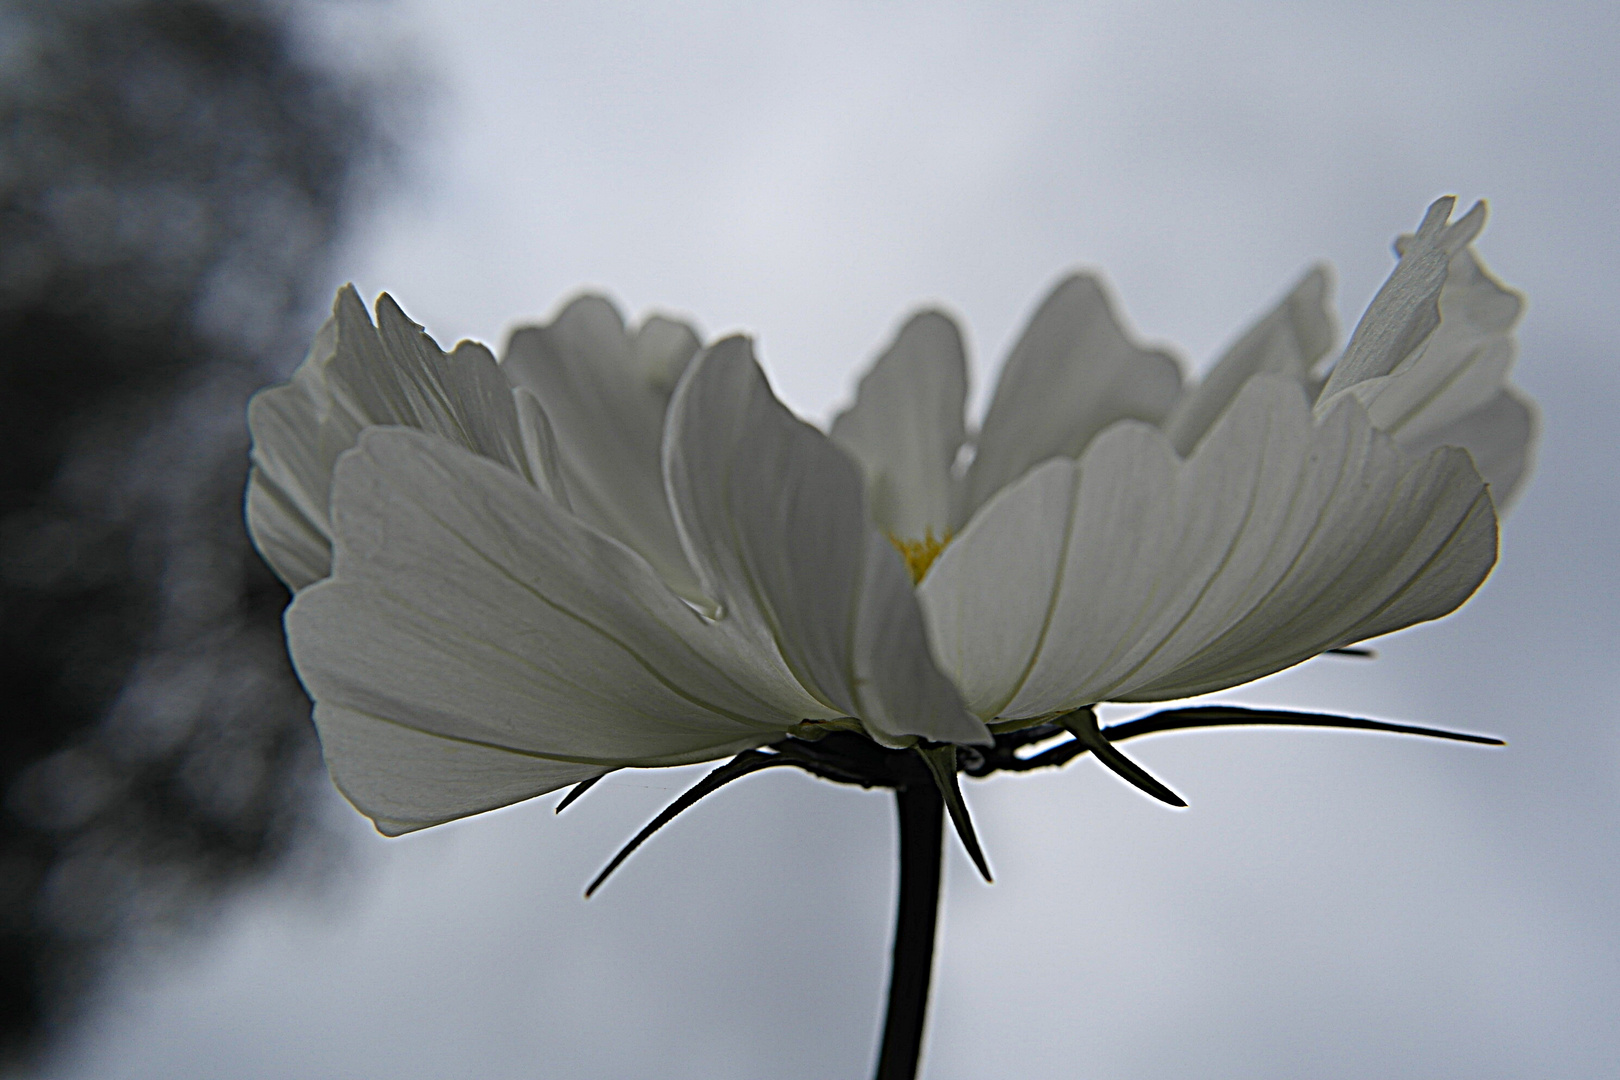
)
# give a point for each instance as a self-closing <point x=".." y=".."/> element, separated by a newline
<point x="989" y="595"/>
<point x="1279" y="538"/>
<point x="291" y="476"/>
<point x="664" y="348"/>
<point x="466" y="605"/>
<point x="605" y="391"/>
<point x="1455" y="390"/>
<point x="1288" y="341"/>
<point x="398" y="375"/>
<point x="1357" y="539"/>
<point x="1406" y="309"/>
<point x="404" y="779"/>
<point x="1072" y="374"/>
<point x="774" y="520"/>
<point x="1500" y="436"/>
<point x="540" y="447"/>
<point x="357" y="376"/>
<point x="906" y="427"/>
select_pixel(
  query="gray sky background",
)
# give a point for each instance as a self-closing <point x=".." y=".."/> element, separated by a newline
<point x="1332" y="905"/>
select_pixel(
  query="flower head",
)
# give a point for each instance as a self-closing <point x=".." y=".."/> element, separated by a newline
<point x="614" y="547"/>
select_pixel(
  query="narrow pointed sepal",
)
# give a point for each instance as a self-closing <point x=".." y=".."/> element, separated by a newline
<point x="1082" y="724"/>
<point x="749" y="761"/>
<point x="578" y="789"/>
<point x="1210" y="716"/>
<point x="941" y="762"/>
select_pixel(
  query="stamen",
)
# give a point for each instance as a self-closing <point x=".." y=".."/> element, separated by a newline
<point x="920" y="554"/>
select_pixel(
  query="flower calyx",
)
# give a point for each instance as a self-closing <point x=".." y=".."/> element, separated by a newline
<point x="845" y="757"/>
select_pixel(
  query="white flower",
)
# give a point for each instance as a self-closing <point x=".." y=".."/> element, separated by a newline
<point x="615" y="548"/>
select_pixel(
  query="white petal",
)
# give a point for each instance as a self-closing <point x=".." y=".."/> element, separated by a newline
<point x="540" y="447"/>
<point x="606" y="393"/>
<point x="664" y="347"/>
<point x="774" y="520"/>
<point x="1463" y="364"/>
<point x="1072" y="374"/>
<point x="899" y="689"/>
<point x="1406" y="309"/>
<point x="297" y="549"/>
<point x="355" y="377"/>
<point x="1455" y="390"/>
<point x="1288" y="340"/>
<point x="1358" y="539"/>
<point x="988" y="597"/>
<point x="396" y="374"/>
<point x="405" y="780"/>
<point x="466" y="605"/>
<point x="906" y="427"/>
<point x="1500" y="436"/>
<point x="1279" y="538"/>
<point x="291" y="478"/>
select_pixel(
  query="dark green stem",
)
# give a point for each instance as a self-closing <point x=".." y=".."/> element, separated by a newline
<point x="917" y="776"/>
<point x="921" y="814"/>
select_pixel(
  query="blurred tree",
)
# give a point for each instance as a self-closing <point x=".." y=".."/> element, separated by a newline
<point x="173" y="175"/>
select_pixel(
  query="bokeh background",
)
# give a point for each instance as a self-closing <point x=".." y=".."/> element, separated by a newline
<point x="181" y="893"/>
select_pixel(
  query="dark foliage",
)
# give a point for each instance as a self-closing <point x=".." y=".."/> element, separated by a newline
<point x="172" y="177"/>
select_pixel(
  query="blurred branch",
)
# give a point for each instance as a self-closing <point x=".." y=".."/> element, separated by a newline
<point x="173" y="177"/>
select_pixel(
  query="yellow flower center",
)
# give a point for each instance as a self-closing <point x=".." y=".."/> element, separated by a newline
<point x="920" y="554"/>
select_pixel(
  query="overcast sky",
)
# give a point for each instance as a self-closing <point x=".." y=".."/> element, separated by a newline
<point x="1332" y="905"/>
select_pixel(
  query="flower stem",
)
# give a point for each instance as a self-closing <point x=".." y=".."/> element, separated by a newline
<point x="921" y="814"/>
